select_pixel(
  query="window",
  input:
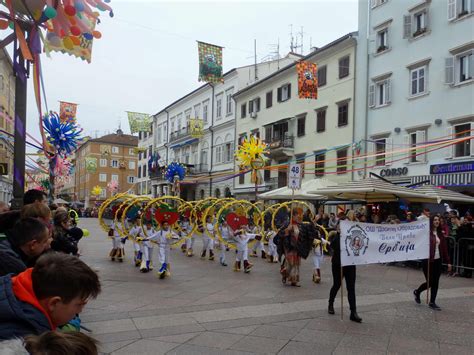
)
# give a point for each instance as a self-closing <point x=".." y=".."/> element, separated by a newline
<point x="158" y="131"/>
<point x="131" y="165"/>
<point x="342" y="161"/>
<point x="267" y="174"/>
<point x="464" y="148"/>
<point x="321" y="120"/>
<point x="179" y="120"/>
<point x="380" y="93"/>
<point x="115" y="150"/>
<point x="228" y="152"/>
<point x="382" y="40"/>
<point x="228" y="102"/>
<point x="459" y="8"/>
<point x="144" y="171"/>
<point x="268" y="134"/>
<point x="140" y="135"/>
<point x="459" y="68"/>
<point x="243" y="110"/>
<point x="103" y="163"/>
<point x="241" y="179"/>
<point x="380" y="149"/>
<point x="131" y="179"/>
<point x="219" y="106"/>
<point x="413" y="140"/>
<point x="219" y="152"/>
<point x="343" y="67"/>
<point x="255" y="133"/>
<point x="242" y="137"/>
<point x="139" y="172"/>
<point x="284" y="93"/>
<point x="269" y="99"/>
<point x="102" y="177"/>
<point x="418" y="80"/>
<point x="254" y="105"/>
<point x="420" y="23"/>
<point x="205" y="107"/>
<point x="103" y="193"/>
<point x="217" y="193"/>
<point x="197" y="111"/>
<point x="114" y="177"/>
<point x="150" y="151"/>
<point x="319" y="159"/>
<point x="131" y="151"/>
<point x="187" y="114"/>
<point x="301" y="126"/>
<point x="172" y="120"/>
<point x="322" y="76"/>
<point x="415" y="24"/>
<point x="342" y="114"/>
<point x="465" y="66"/>
<point x="375" y="3"/>
<point x="300" y="160"/>
<point x="114" y="163"/>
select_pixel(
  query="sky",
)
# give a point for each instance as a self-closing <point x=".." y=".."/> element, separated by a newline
<point x="147" y="56"/>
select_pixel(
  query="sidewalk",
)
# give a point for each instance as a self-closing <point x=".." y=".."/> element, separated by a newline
<point x="205" y="308"/>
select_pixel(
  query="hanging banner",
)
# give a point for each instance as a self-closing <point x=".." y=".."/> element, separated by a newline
<point x="307" y="80"/>
<point x="91" y="165"/>
<point x="139" y="122"/>
<point x="196" y="126"/>
<point x="368" y="243"/>
<point x="105" y="149"/>
<point x="67" y="112"/>
<point x="210" y="63"/>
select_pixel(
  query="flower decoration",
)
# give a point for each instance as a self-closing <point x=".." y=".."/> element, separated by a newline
<point x="62" y="136"/>
<point x="175" y="170"/>
<point x="96" y="190"/>
<point x="251" y="153"/>
<point x="112" y="186"/>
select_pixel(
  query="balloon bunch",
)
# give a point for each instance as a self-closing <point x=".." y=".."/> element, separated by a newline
<point x="63" y="167"/>
<point x="175" y="170"/>
<point x="113" y="187"/>
<point x="62" y="136"/>
<point x="96" y="190"/>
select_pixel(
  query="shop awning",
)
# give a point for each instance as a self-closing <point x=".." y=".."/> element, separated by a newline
<point x="444" y="194"/>
<point x="459" y="179"/>
<point x="284" y="193"/>
<point x="188" y="142"/>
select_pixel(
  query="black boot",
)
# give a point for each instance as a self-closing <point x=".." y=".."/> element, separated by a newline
<point x="416" y="294"/>
<point x="355" y="317"/>
<point x="331" y="308"/>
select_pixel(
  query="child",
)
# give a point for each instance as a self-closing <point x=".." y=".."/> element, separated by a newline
<point x="318" y="256"/>
<point x="134" y="234"/>
<point x="146" y="247"/>
<point x="163" y="238"/>
<point x="258" y="245"/>
<point x="225" y="233"/>
<point x="242" y="238"/>
<point x="118" y="244"/>
<point x="208" y="242"/>
<point x="272" y="255"/>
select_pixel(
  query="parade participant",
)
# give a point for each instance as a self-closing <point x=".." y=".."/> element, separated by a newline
<point x="259" y="245"/>
<point x="438" y="256"/>
<point x="318" y="256"/>
<point x="225" y="231"/>
<point x="63" y="240"/>
<point x="242" y="237"/>
<point x="163" y="238"/>
<point x="146" y="247"/>
<point x="186" y="228"/>
<point x="118" y="244"/>
<point x="134" y="233"/>
<point x="349" y="273"/>
<point x="272" y="255"/>
<point x="208" y="242"/>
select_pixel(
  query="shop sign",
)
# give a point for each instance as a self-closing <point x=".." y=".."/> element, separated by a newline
<point x="394" y="172"/>
<point x="459" y="167"/>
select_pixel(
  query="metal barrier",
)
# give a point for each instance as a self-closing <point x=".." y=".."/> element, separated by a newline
<point x="464" y="261"/>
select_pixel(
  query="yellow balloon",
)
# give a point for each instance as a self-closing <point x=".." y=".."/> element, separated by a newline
<point x="68" y="43"/>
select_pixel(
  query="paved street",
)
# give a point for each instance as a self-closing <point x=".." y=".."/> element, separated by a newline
<point x="205" y="308"/>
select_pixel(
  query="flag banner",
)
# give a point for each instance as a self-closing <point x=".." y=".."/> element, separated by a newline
<point x="307" y="80"/>
<point x="137" y="150"/>
<point x="368" y="243"/>
<point x="210" y="63"/>
<point x="139" y="122"/>
<point x="91" y="165"/>
<point x="67" y="112"/>
<point x="196" y="126"/>
<point x="105" y="149"/>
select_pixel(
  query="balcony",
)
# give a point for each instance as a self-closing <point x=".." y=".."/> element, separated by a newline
<point x="183" y="132"/>
<point x="281" y="147"/>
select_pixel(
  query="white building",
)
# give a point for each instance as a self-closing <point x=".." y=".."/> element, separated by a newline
<point x="318" y="133"/>
<point x="415" y="84"/>
<point x="145" y="151"/>
<point x="213" y="153"/>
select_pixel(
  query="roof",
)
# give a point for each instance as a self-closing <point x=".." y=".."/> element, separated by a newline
<point x="319" y="50"/>
<point x="118" y="139"/>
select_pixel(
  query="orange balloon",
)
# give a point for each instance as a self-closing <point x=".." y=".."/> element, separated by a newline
<point x="75" y="40"/>
<point x="97" y="34"/>
<point x="3" y="24"/>
<point x="67" y="43"/>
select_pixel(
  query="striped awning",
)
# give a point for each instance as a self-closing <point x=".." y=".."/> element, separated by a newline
<point x="444" y="194"/>
<point x="459" y="179"/>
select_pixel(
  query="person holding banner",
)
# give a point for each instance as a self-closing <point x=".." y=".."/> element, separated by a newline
<point x="348" y="272"/>
<point x="432" y="270"/>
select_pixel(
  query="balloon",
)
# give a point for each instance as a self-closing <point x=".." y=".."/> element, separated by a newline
<point x="85" y="232"/>
<point x="50" y="12"/>
<point x="55" y="40"/>
<point x="70" y="10"/>
<point x="76" y="31"/>
<point x="67" y="43"/>
<point x="88" y="36"/>
<point x="79" y="6"/>
<point x="3" y="24"/>
<point x="97" y="34"/>
<point x="11" y="25"/>
<point x="75" y="40"/>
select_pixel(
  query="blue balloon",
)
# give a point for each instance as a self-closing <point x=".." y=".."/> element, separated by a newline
<point x="88" y="36"/>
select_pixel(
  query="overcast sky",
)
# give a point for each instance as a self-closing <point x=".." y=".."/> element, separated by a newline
<point x="147" y="56"/>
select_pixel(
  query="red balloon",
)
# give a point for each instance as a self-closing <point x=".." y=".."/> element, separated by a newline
<point x="97" y="34"/>
<point x="70" y="10"/>
<point x="76" y="31"/>
<point x="3" y="24"/>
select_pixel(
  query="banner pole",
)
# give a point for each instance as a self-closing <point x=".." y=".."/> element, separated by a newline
<point x="342" y="295"/>
<point x="428" y="281"/>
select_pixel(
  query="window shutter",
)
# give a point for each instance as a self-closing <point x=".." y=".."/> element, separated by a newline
<point x="406" y="145"/>
<point x="388" y="92"/>
<point x="472" y="6"/>
<point x="421" y="140"/>
<point x="388" y="151"/>
<point x="370" y="152"/>
<point x="407" y="26"/>
<point x="258" y="105"/>
<point x="250" y="106"/>
<point x="371" y="95"/>
<point x="289" y="90"/>
<point x="279" y="94"/>
<point x="471" y="142"/>
<point x="373" y="3"/>
<point x="471" y="65"/>
<point x="450" y="148"/>
<point x="451" y="9"/>
<point x="449" y="71"/>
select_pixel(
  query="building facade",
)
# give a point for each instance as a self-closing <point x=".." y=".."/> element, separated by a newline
<point x="144" y="152"/>
<point x="7" y="110"/>
<point x="317" y="133"/>
<point x="213" y="152"/>
<point x="415" y="85"/>
<point x="116" y="160"/>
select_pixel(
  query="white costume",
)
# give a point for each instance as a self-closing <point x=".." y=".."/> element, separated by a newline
<point x="208" y="242"/>
<point x="117" y="244"/>
<point x="242" y="241"/>
<point x="225" y="233"/>
<point x="272" y="248"/>
<point x="147" y="250"/>
<point x="163" y="238"/>
<point x="134" y="234"/>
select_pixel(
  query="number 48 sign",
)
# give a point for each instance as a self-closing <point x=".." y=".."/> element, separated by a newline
<point x="294" y="176"/>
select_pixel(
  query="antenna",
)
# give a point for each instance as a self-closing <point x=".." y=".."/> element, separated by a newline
<point x="291" y="39"/>
<point x="301" y="35"/>
<point x="255" y="54"/>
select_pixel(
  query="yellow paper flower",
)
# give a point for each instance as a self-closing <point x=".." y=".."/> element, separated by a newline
<point x="96" y="190"/>
<point x="251" y="152"/>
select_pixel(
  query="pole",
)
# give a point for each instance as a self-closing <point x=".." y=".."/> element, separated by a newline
<point x="20" y="128"/>
<point x="428" y="281"/>
<point x="342" y="295"/>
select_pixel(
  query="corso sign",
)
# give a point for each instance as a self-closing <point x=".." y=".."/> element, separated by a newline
<point x="394" y="172"/>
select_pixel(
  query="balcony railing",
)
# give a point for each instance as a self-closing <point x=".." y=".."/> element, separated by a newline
<point x="183" y="132"/>
<point x="282" y="142"/>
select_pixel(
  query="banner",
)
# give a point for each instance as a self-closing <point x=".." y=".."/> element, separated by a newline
<point x="91" y="164"/>
<point x="105" y="149"/>
<point x="307" y="80"/>
<point x="196" y="126"/>
<point x="67" y="112"/>
<point x="139" y="122"/>
<point x="368" y="243"/>
<point x="210" y="63"/>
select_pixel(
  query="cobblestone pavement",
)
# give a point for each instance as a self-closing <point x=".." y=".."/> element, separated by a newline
<point x="205" y="308"/>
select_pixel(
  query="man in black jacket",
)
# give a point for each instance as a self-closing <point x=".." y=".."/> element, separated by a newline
<point x="23" y="245"/>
